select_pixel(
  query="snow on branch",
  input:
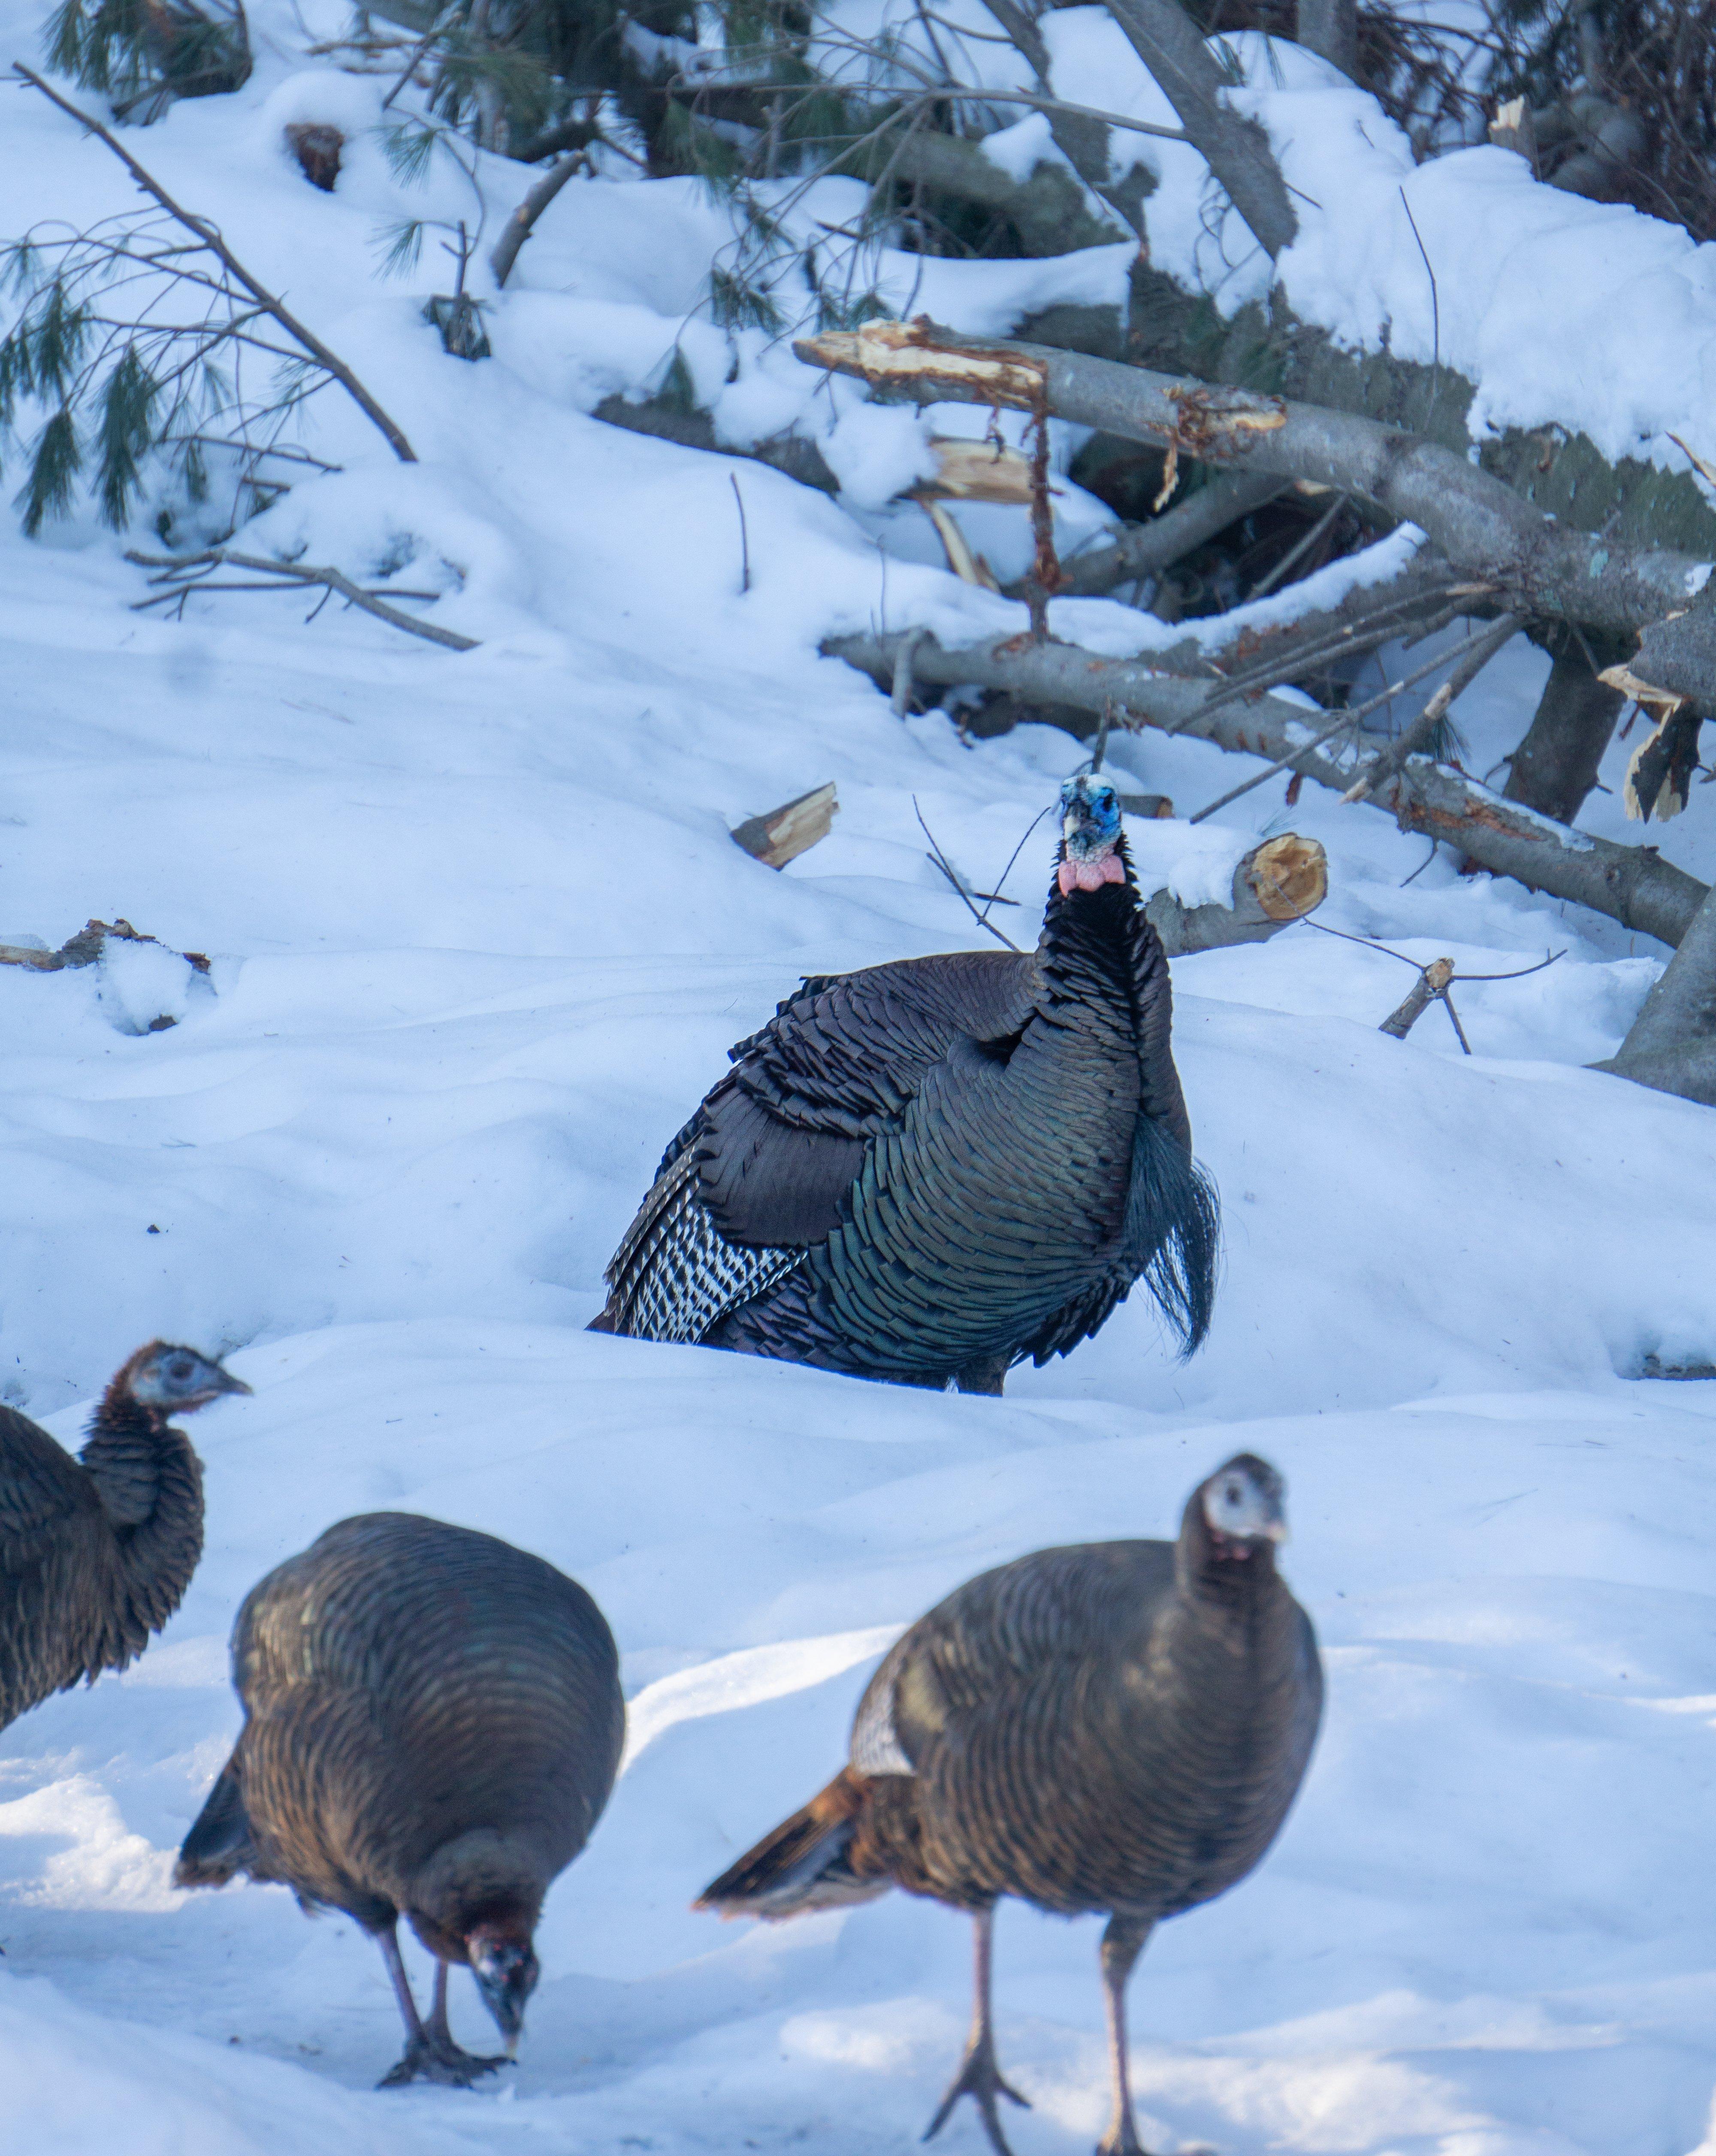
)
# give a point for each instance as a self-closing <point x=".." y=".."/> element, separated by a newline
<point x="1477" y="522"/>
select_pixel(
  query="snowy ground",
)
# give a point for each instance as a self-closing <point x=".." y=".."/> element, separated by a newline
<point x="480" y="941"/>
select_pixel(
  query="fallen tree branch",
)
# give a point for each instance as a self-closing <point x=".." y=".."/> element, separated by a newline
<point x="1671" y="1045"/>
<point x="1478" y="523"/>
<point x="519" y="226"/>
<point x="1237" y="150"/>
<point x="1277" y="884"/>
<point x="1631" y="884"/>
<point x="86" y="946"/>
<point x="185" y="573"/>
<point x="1141" y="550"/>
<point x="208" y="236"/>
<point x="1415" y="739"/>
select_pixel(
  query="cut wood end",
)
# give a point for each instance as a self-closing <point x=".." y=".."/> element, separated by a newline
<point x="908" y="354"/>
<point x="977" y="471"/>
<point x="1154" y="807"/>
<point x="790" y="830"/>
<point x="1290" y="876"/>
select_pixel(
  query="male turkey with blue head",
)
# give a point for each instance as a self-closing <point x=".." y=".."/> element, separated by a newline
<point x="926" y="1172"/>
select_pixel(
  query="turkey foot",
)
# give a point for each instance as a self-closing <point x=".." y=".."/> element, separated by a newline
<point x="430" y="2059"/>
<point x="980" y="2078"/>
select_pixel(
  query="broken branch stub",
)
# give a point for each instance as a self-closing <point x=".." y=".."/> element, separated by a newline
<point x="790" y="830"/>
<point x="1276" y="884"/>
<point x="1431" y="983"/>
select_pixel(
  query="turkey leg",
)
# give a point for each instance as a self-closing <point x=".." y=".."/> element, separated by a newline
<point x="979" y="2077"/>
<point x="1122" y="1943"/>
<point x="430" y="2053"/>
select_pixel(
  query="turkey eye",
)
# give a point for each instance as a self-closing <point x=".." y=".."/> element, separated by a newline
<point x="1233" y="1493"/>
<point x="179" y="1372"/>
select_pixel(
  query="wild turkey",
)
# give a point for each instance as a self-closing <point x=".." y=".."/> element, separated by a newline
<point x="1116" y="1727"/>
<point x="926" y="1171"/>
<point x="96" y="1553"/>
<point x="433" y="1723"/>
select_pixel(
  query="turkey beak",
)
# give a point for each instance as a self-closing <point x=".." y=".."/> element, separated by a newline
<point x="506" y="1975"/>
<point x="230" y="1383"/>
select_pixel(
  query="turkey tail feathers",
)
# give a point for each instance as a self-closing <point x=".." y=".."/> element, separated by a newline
<point x="1173" y="1231"/>
<point x="220" y="1844"/>
<point x="804" y="1864"/>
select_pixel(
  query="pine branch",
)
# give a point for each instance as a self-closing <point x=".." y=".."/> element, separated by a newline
<point x="209" y="234"/>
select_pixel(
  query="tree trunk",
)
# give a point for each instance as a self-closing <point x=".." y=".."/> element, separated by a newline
<point x="1556" y="766"/>
<point x="1330" y="29"/>
<point x="1671" y="1046"/>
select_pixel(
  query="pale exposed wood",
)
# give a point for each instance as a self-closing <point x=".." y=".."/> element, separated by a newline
<point x="790" y="830"/>
<point x="1430" y="985"/>
<point x="1276" y="884"/>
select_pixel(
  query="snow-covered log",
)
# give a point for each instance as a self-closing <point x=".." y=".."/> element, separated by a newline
<point x="1477" y="522"/>
<point x="1632" y="885"/>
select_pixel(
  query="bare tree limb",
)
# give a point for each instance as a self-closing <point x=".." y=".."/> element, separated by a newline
<point x="1277" y="884"/>
<point x="518" y="227"/>
<point x="1672" y="1044"/>
<point x="1330" y="29"/>
<point x="1140" y="550"/>
<point x="185" y="581"/>
<point x="208" y="235"/>
<point x="1631" y="884"/>
<point x="1477" y="522"/>
<point x="1236" y="151"/>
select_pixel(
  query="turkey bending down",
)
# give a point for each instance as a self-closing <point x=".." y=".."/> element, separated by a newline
<point x="96" y="1553"/>
<point x="927" y="1171"/>
<point x="1116" y="1727"/>
<point x="433" y="1726"/>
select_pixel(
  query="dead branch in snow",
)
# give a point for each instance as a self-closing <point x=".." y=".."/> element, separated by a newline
<point x="1277" y="884"/>
<point x="791" y="829"/>
<point x="1432" y="986"/>
<point x="1631" y="884"/>
<point x="1142" y="550"/>
<point x="208" y="234"/>
<point x="186" y="575"/>
<point x="1671" y="1045"/>
<point x="1237" y="150"/>
<point x="519" y="225"/>
<point x="86" y="946"/>
<point x="1480" y="524"/>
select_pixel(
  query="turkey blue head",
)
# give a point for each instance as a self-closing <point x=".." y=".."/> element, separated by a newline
<point x="1090" y="834"/>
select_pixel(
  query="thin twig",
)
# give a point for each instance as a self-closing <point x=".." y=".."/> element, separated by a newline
<point x="942" y="862"/>
<point x="1265" y="585"/>
<point x="334" y="580"/>
<point x="210" y="236"/>
<point x="1475" y="657"/>
<point x="1001" y="881"/>
<point x="1350" y="718"/>
<point x="1436" y="340"/>
<point x="743" y="535"/>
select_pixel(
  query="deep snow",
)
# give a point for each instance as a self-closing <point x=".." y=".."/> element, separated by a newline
<point x="480" y="941"/>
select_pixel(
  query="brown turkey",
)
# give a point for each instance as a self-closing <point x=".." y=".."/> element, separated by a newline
<point x="927" y="1171"/>
<point x="433" y="1722"/>
<point x="96" y="1553"/>
<point x="1113" y="1727"/>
